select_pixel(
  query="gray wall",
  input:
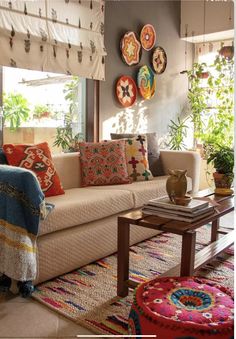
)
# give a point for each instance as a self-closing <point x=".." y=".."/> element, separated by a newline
<point x="171" y="94"/>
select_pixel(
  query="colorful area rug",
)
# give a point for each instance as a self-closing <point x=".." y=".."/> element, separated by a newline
<point x="88" y="295"/>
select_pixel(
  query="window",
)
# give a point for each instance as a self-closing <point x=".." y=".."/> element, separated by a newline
<point x="41" y="106"/>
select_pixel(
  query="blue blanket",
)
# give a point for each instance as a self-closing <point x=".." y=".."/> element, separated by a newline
<point x="21" y="204"/>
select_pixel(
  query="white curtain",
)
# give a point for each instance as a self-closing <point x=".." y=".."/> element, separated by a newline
<point x="63" y="36"/>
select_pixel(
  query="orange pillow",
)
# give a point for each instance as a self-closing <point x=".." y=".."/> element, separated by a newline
<point x="38" y="159"/>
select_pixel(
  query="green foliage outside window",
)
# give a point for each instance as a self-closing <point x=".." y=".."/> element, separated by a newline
<point x="15" y="109"/>
<point x="65" y="137"/>
<point x="211" y="105"/>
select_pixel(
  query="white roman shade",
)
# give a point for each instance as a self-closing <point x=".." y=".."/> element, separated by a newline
<point x="62" y="36"/>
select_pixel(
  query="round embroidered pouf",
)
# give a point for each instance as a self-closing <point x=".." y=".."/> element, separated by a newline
<point x="182" y="308"/>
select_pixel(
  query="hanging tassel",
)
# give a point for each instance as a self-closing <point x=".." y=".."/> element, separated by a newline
<point x="12" y="31"/>
<point x="25" y="9"/>
<point x="91" y="25"/>
<point x="91" y="4"/>
<point x="11" y="42"/>
<point x="54" y="52"/>
<point x="41" y="48"/>
<point x="67" y="53"/>
<point x="103" y="60"/>
<point x="79" y="24"/>
<point x="102" y="28"/>
<point x="27" y="46"/>
<point x="80" y="56"/>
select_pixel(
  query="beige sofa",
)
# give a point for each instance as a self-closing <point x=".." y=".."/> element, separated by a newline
<point x="83" y="225"/>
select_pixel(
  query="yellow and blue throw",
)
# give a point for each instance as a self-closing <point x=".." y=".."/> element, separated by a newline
<point x="21" y="205"/>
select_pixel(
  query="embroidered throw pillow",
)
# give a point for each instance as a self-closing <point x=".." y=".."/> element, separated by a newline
<point x="38" y="159"/>
<point x="154" y="160"/>
<point x="136" y="157"/>
<point x="103" y="163"/>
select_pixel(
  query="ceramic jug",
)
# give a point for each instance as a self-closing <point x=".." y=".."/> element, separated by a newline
<point x="176" y="184"/>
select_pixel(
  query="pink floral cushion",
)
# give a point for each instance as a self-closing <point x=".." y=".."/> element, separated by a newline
<point x="103" y="163"/>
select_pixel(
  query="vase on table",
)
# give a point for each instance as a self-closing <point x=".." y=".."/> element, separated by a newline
<point x="176" y="184"/>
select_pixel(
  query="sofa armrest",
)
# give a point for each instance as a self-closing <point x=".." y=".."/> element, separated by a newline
<point x="186" y="160"/>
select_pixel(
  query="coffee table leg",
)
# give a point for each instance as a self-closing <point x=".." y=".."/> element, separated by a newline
<point x="188" y="253"/>
<point x="214" y="229"/>
<point x="123" y="258"/>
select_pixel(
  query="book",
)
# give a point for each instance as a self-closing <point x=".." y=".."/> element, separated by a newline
<point x="178" y="217"/>
<point x="179" y="212"/>
<point x="164" y="202"/>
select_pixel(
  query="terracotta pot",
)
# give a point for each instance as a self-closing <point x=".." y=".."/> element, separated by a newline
<point x="223" y="183"/>
<point x="176" y="184"/>
<point x="202" y="75"/>
<point x="227" y="52"/>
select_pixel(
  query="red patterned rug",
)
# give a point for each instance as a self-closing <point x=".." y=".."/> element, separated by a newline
<point x="88" y="295"/>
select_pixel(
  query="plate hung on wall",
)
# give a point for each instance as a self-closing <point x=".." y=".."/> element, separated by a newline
<point x="148" y="37"/>
<point x="130" y="49"/>
<point x="126" y="91"/>
<point x="159" y="60"/>
<point x="146" y="82"/>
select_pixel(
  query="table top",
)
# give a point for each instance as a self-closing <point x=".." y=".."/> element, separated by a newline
<point x="137" y="217"/>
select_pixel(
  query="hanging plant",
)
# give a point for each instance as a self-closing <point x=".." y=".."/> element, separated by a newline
<point x="227" y="52"/>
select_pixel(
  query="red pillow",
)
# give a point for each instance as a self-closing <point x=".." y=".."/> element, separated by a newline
<point x="38" y="159"/>
<point x="103" y="163"/>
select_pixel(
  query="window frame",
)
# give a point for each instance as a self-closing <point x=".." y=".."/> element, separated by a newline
<point x="91" y="114"/>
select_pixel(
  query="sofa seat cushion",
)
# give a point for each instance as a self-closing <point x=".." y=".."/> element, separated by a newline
<point x="143" y="191"/>
<point x="82" y="205"/>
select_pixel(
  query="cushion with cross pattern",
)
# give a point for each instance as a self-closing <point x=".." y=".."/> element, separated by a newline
<point x="137" y="158"/>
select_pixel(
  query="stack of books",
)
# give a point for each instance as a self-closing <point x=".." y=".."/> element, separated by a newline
<point x="163" y="207"/>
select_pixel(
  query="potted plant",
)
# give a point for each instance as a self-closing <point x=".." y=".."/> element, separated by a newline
<point x="41" y="111"/>
<point x="222" y="158"/>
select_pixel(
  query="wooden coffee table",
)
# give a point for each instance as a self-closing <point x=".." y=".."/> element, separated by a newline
<point x="190" y="262"/>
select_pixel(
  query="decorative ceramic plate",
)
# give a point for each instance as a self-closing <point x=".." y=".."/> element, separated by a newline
<point x="159" y="60"/>
<point x="146" y="82"/>
<point x="148" y="37"/>
<point x="130" y="49"/>
<point x="126" y="91"/>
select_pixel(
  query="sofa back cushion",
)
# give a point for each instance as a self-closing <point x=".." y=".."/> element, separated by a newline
<point x="103" y="163"/>
<point x="68" y="169"/>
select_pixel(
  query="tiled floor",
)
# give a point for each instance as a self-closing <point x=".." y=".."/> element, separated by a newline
<point x="26" y="318"/>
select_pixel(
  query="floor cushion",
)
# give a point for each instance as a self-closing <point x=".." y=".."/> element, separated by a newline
<point x="182" y="307"/>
